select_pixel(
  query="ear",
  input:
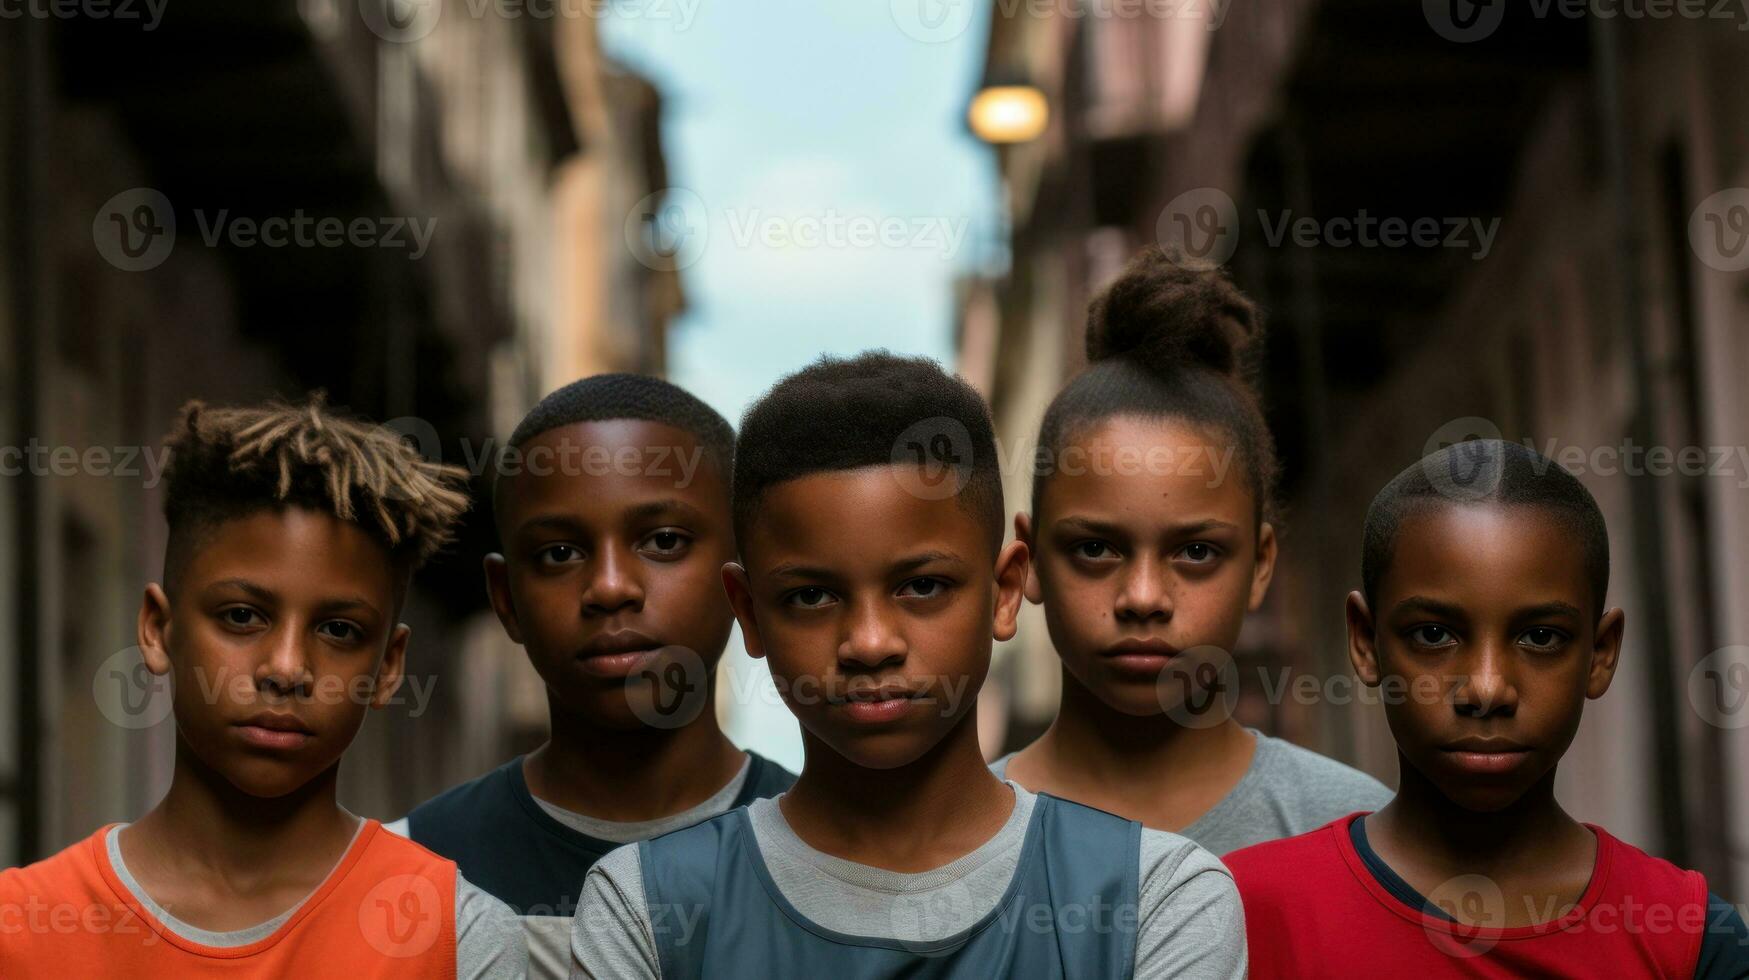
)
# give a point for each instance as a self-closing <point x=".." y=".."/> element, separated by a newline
<point x="1034" y="592"/>
<point x="740" y="592"/>
<point x="393" y="668"/>
<point x="1362" y="645"/>
<point x="152" y="632"/>
<point x="498" y="593"/>
<point x="1605" y="653"/>
<point x="1264" y="569"/>
<point x="1013" y="569"/>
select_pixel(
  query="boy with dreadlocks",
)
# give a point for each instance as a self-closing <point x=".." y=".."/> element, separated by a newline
<point x="293" y="535"/>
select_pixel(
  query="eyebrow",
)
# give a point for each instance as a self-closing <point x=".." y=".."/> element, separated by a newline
<point x="1555" y="608"/>
<point x="1108" y="527"/>
<point x="907" y="564"/>
<point x="266" y="595"/>
<point x="658" y="508"/>
<point x="1423" y="604"/>
<point x="548" y="522"/>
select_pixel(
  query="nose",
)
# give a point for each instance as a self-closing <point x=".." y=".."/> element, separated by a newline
<point x="1145" y="594"/>
<point x="1489" y="687"/>
<point x="614" y="584"/>
<point x="286" y="670"/>
<point x="872" y="639"/>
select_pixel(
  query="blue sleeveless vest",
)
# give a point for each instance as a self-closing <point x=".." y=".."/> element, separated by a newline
<point x="1070" y="912"/>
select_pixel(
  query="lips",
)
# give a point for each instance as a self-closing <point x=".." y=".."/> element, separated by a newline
<point x="879" y="703"/>
<point x="1489" y="756"/>
<point x="618" y="654"/>
<point x="1140" y="655"/>
<point x="274" y="730"/>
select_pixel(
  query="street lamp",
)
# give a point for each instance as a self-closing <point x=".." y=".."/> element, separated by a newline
<point x="1008" y="113"/>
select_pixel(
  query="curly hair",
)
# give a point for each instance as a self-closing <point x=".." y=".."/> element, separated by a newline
<point x="226" y="463"/>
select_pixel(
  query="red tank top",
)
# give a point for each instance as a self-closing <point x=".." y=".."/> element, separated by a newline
<point x="386" y="910"/>
<point x="1312" y="909"/>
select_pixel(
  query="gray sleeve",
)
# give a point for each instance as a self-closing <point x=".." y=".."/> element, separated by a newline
<point x="489" y="942"/>
<point x="1190" y="923"/>
<point x="611" y="936"/>
<point x="399" y="828"/>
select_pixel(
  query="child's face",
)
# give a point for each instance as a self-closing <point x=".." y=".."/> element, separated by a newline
<point x="876" y="608"/>
<point x="1146" y="547"/>
<point x="615" y="534"/>
<point x="280" y="633"/>
<point x="1486" y="627"/>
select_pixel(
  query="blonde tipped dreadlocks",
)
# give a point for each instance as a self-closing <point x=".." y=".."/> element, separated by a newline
<point x="227" y="461"/>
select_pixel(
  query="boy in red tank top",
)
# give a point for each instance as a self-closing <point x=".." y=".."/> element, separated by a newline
<point x="293" y="535"/>
<point x="1482" y="622"/>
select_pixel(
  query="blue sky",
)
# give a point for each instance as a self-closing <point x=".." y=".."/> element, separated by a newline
<point x="785" y="118"/>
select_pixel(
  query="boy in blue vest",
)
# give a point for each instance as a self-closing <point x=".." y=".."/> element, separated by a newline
<point x="612" y="506"/>
<point x="868" y="512"/>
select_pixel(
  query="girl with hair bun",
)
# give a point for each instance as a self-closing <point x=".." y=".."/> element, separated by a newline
<point x="1151" y="534"/>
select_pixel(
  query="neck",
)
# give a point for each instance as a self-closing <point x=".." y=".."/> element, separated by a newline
<point x="1423" y="820"/>
<point x="1113" y="746"/>
<point x="916" y="816"/>
<point x="643" y="773"/>
<point x="206" y="820"/>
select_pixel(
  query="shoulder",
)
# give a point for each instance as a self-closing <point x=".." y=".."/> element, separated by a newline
<point x="490" y="941"/>
<point x="1315" y="781"/>
<point x="1290" y="863"/>
<point x="473" y="803"/>
<point x="71" y="871"/>
<point x="766" y="778"/>
<point x="1643" y="874"/>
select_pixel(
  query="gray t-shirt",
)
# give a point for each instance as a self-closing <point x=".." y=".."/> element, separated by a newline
<point x="1190" y="922"/>
<point x="1286" y="792"/>
<point x="488" y="939"/>
<point x="549" y="936"/>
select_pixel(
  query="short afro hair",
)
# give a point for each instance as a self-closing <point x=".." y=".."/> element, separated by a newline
<point x="227" y="463"/>
<point x="1485" y="471"/>
<point x="874" y="409"/>
<point x="611" y="397"/>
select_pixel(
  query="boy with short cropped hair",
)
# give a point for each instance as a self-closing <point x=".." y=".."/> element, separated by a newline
<point x="612" y="506"/>
<point x="1482" y="617"/>
<point x="872" y="574"/>
<point x="293" y="534"/>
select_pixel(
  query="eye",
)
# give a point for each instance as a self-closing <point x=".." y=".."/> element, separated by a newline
<point x="809" y="597"/>
<point x="1432" y="635"/>
<point x="241" y="617"/>
<point x="340" y="629"/>
<point x="1199" y="552"/>
<point x="926" y="587"/>
<point x="1093" y="550"/>
<point x="557" y="554"/>
<point x="1545" y="638"/>
<point x="669" y="542"/>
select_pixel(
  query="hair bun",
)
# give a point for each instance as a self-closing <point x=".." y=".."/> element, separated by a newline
<point x="1166" y="311"/>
